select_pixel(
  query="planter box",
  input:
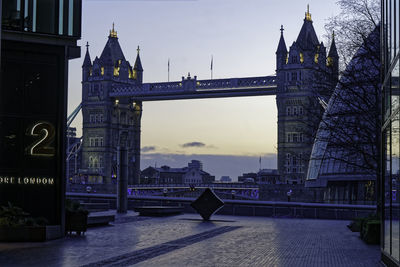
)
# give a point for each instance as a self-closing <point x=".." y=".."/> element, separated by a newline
<point x="29" y="233"/>
<point x="370" y="232"/>
<point x="76" y="222"/>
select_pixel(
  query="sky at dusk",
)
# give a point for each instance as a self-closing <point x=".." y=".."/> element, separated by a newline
<point x="227" y="134"/>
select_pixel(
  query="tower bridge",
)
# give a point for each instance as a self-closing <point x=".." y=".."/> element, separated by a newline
<point x="191" y="88"/>
<point x="113" y="93"/>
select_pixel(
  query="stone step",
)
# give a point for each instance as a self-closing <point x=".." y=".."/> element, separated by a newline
<point x="158" y="210"/>
<point x="93" y="207"/>
<point x="95" y="219"/>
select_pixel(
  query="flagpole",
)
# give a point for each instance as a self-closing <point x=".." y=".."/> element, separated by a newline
<point x="211" y="67"/>
<point x="168" y="70"/>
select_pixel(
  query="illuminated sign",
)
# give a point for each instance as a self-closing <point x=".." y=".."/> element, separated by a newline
<point x="43" y="146"/>
<point x="27" y="180"/>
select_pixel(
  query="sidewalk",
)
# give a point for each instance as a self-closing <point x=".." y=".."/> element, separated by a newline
<point x="185" y="240"/>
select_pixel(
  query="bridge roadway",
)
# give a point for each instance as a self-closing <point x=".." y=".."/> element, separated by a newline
<point x="191" y="88"/>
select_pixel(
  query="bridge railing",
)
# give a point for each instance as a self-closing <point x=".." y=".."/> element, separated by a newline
<point x="188" y="85"/>
<point x="216" y="185"/>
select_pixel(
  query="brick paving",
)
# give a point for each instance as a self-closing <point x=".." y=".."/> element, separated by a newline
<point x="185" y="240"/>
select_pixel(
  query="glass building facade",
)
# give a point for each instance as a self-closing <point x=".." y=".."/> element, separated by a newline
<point x="55" y="17"/>
<point x="390" y="134"/>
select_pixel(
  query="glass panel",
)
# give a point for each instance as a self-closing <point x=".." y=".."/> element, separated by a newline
<point x="11" y="14"/>
<point x="387" y="99"/>
<point x="395" y="183"/>
<point x="392" y="30"/>
<point x="395" y="163"/>
<point x="60" y="15"/>
<point x="387" y="194"/>
<point x="395" y="96"/>
<point x="70" y="16"/>
<point x="45" y="16"/>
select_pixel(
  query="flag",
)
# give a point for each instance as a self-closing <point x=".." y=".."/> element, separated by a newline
<point x="211" y="63"/>
<point x="168" y="64"/>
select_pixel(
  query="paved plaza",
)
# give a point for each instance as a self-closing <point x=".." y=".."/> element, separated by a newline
<point x="186" y="240"/>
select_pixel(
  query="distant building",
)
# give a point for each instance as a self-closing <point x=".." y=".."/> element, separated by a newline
<point x="264" y="176"/>
<point x="192" y="174"/>
<point x="244" y="176"/>
<point x="225" y="179"/>
<point x="267" y="176"/>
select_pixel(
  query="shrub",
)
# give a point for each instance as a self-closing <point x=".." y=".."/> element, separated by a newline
<point x="13" y="216"/>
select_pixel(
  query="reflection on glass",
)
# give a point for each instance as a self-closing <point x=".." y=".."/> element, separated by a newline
<point x="42" y="16"/>
<point x="395" y="183"/>
<point x="387" y="198"/>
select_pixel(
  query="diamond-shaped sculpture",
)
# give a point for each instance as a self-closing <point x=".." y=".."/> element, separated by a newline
<point x="207" y="204"/>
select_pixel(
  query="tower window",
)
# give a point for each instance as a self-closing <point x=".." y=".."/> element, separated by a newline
<point x="289" y="137"/>
<point x="294" y="76"/>
<point x="295" y="138"/>
<point x="288" y="111"/>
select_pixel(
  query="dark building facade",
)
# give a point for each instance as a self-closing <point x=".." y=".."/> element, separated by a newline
<point x="306" y="76"/>
<point x="110" y="123"/>
<point x="37" y="40"/>
<point x="389" y="202"/>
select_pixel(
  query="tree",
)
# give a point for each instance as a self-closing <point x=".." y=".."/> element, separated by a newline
<point x="352" y="25"/>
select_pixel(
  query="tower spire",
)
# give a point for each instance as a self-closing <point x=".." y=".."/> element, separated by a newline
<point x="113" y="33"/>
<point x="308" y="14"/>
<point x="138" y="69"/>
<point x="87" y="61"/>
<point x="282" y="45"/>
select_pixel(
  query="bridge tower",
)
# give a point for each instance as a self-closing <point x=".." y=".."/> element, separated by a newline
<point x="305" y="77"/>
<point x="109" y="123"/>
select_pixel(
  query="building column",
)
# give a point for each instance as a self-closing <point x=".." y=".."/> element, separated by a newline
<point x="122" y="180"/>
<point x="138" y="109"/>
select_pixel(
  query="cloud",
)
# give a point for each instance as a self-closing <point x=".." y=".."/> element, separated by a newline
<point x="147" y="149"/>
<point x="193" y="144"/>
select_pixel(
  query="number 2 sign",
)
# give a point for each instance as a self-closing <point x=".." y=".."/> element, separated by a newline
<point x="43" y="144"/>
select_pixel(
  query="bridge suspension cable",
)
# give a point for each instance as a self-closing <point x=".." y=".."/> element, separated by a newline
<point x="74" y="113"/>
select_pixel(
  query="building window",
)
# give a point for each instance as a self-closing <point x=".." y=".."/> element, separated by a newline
<point x="294" y="160"/>
<point x="288" y="111"/>
<point x="295" y="137"/>
<point x="90" y="162"/>
<point x="300" y="110"/>
<point x="294" y="76"/>
<point x="289" y="137"/>
<point x="295" y="111"/>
